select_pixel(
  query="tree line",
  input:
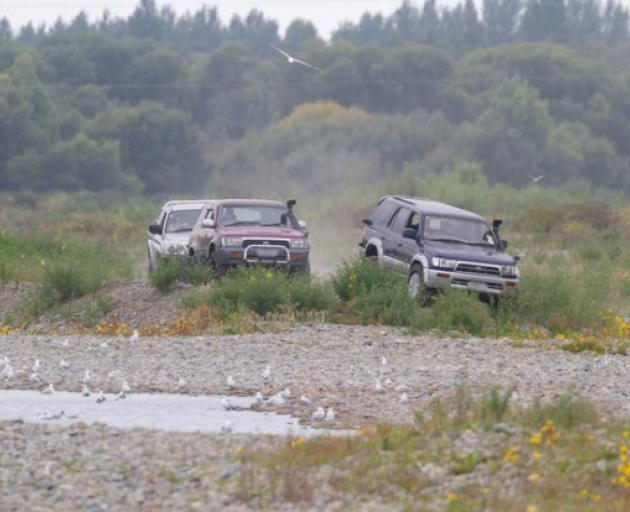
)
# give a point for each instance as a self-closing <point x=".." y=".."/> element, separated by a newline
<point x="160" y="102"/>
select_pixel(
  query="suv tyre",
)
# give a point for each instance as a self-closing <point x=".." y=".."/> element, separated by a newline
<point x="217" y="268"/>
<point x="415" y="284"/>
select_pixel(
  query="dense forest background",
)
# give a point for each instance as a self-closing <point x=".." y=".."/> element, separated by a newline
<point x="161" y="103"/>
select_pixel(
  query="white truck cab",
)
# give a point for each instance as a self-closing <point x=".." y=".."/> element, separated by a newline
<point x="169" y="234"/>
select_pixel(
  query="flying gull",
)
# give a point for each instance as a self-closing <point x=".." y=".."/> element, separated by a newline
<point x="293" y="60"/>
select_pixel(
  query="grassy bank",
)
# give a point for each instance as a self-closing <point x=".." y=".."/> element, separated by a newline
<point x="460" y="455"/>
<point x="63" y="270"/>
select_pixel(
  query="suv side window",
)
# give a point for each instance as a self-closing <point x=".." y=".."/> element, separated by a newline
<point x="383" y="213"/>
<point x="402" y="221"/>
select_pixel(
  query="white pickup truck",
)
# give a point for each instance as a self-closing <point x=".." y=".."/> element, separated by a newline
<point x="169" y="234"/>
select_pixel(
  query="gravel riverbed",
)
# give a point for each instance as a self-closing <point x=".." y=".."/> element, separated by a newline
<point x="101" y="468"/>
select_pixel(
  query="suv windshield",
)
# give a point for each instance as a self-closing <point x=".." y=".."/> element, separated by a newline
<point x="181" y="220"/>
<point x="259" y="215"/>
<point x="457" y="230"/>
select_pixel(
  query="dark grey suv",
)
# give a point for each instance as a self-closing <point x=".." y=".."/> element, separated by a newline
<point x="438" y="246"/>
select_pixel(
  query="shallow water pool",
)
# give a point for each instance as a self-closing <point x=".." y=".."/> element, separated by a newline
<point x="175" y="413"/>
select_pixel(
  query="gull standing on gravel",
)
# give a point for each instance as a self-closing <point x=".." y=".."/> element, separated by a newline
<point x="64" y="365"/>
<point x="226" y="403"/>
<point x="259" y="398"/>
<point x="100" y="397"/>
<point x="277" y="400"/>
<point x="104" y="345"/>
<point x="293" y="60"/>
<point x="404" y="398"/>
<point x="125" y="387"/>
<point x="87" y="378"/>
<point x="8" y="372"/>
<point x="378" y="387"/>
<point x="182" y="384"/>
<point x="35" y="378"/>
<point x="319" y="414"/>
<point x="330" y="415"/>
<point x="49" y="390"/>
<point x="230" y="382"/>
<point x="85" y="391"/>
<point x="266" y="376"/>
<point x="305" y="400"/>
<point x="384" y="361"/>
<point x="36" y="366"/>
<point x="50" y="416"/>
<point x="286" y="393"/>
<point x="135" y="336"/>
<point x="227" y="427"/>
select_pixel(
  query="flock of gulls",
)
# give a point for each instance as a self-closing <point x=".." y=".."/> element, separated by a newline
<point x="277" y="400"/>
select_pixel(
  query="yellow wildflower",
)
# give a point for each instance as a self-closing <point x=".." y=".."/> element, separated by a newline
<point x="451" y="497"/>
<point x="512" y="454"/>
<point x="534" y="478"/>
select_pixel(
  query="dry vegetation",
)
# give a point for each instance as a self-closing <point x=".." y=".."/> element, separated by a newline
<point x="464" y="454"/>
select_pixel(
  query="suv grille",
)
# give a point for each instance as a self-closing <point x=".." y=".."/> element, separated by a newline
<point x="282" y="243"/>
<point x="472" y="268"/>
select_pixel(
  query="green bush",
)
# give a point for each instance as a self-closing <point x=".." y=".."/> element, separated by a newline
<point x="563" y="297"/>
<point x="172" y="270"/>
<point x="376" y="294"/>
<point x="462" y="311"/>
<point x="64" y="269"/>
<point x="265" y="291"/>
<point x="389" y="305"/>
<point x="361" y="277"/>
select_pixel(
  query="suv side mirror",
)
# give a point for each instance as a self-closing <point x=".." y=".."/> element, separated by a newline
<point x="302" y="224"/>
<point x="504" y="244"/>
<point x="368" y="222"/>
<point x="207" y="223"/>
<point x="410" y="233"/>
<point x="155" y="229"/>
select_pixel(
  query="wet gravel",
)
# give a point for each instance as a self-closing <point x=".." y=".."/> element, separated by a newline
<point x="99" y="468"/>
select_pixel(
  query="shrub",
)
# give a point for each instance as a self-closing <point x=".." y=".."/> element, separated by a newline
<point x="389" y="305"/>
<point x="172" y="270"/>
<point x="361" y="277"/>
<point x="265" y="291"/>
<point x="463" y="311"/>
<point x="563" y="298"/>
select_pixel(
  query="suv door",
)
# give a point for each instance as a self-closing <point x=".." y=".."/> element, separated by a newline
<point x="403" y="249"/>
<point x="200" y="237"/>
<point x="391" y="239"/>
<point x="155" y="241"/>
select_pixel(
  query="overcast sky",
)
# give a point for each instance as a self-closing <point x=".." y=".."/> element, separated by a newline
<point x="326" y="14"/>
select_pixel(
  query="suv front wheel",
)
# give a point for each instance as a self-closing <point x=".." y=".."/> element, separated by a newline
<point x="415" y="284"/>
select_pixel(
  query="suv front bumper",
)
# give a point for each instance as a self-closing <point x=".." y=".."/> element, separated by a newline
<point x="264" y="256"/>
<point x="439" y="278"/>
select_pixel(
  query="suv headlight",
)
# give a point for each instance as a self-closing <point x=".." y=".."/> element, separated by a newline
<point x="299" y="244"/>
<point x="444" y="263"/>
<point x="509" y="271"/>
<point x="232" y="241"/>
<point x="176" y="250"/>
